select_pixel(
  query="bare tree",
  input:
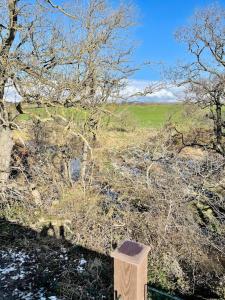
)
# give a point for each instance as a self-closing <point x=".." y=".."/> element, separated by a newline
<point x="102" y="48"/>
<point x="204" y="77"/>
<point x="85" y="63"/>
<point x="99" y="42"/>
<point x="28" y="53"/>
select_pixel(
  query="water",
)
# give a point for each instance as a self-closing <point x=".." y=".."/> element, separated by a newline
<point x="75" y="169"/>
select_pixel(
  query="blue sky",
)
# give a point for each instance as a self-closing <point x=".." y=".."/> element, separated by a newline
<point x="159" y="20"/>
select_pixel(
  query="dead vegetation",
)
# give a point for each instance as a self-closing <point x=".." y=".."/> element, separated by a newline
<point x="143" y="189"/>
<point x="94" y="183"/>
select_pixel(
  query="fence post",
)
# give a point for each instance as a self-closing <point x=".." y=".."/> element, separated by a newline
<point x="130" y="271"/>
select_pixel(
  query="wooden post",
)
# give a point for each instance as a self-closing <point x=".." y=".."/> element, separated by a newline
<point x="130" y="271"/>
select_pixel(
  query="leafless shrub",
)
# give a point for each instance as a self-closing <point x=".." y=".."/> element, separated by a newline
<point x="164" y="199"/>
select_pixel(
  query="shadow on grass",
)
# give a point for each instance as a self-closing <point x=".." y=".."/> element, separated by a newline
<point x="39" y="266"/>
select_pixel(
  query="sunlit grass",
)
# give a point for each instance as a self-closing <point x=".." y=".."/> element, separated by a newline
<point x="143" y="116"/>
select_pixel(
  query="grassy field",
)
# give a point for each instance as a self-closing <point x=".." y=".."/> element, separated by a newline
<point x="151" y="115"/>
<point x="141" y="115"/>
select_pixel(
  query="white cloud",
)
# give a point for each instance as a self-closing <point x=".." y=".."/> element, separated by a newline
<point x="166" y="94"/>
<point x="11" y="94"/>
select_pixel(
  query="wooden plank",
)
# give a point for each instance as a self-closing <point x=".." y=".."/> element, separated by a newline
<point x="130" y="271"/>
<point x="125" y="280"/>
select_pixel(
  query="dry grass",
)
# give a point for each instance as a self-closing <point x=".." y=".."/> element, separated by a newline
<point x="138" y="187"/>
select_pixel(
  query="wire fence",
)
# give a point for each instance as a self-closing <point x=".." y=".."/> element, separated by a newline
<point x="155" y="294"/>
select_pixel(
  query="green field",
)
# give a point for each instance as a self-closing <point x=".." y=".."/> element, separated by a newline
<point x="152" y="115"/>
<point x="141" y="115"/>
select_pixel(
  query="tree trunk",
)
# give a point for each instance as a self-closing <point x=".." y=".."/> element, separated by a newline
<point x="6" y="145"/>
<point x="219" y="129"/>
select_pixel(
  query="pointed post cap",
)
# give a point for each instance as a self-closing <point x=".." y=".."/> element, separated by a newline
<point x="131" y="252"/>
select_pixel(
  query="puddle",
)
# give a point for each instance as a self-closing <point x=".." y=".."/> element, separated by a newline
<point x="75" y="169"/>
